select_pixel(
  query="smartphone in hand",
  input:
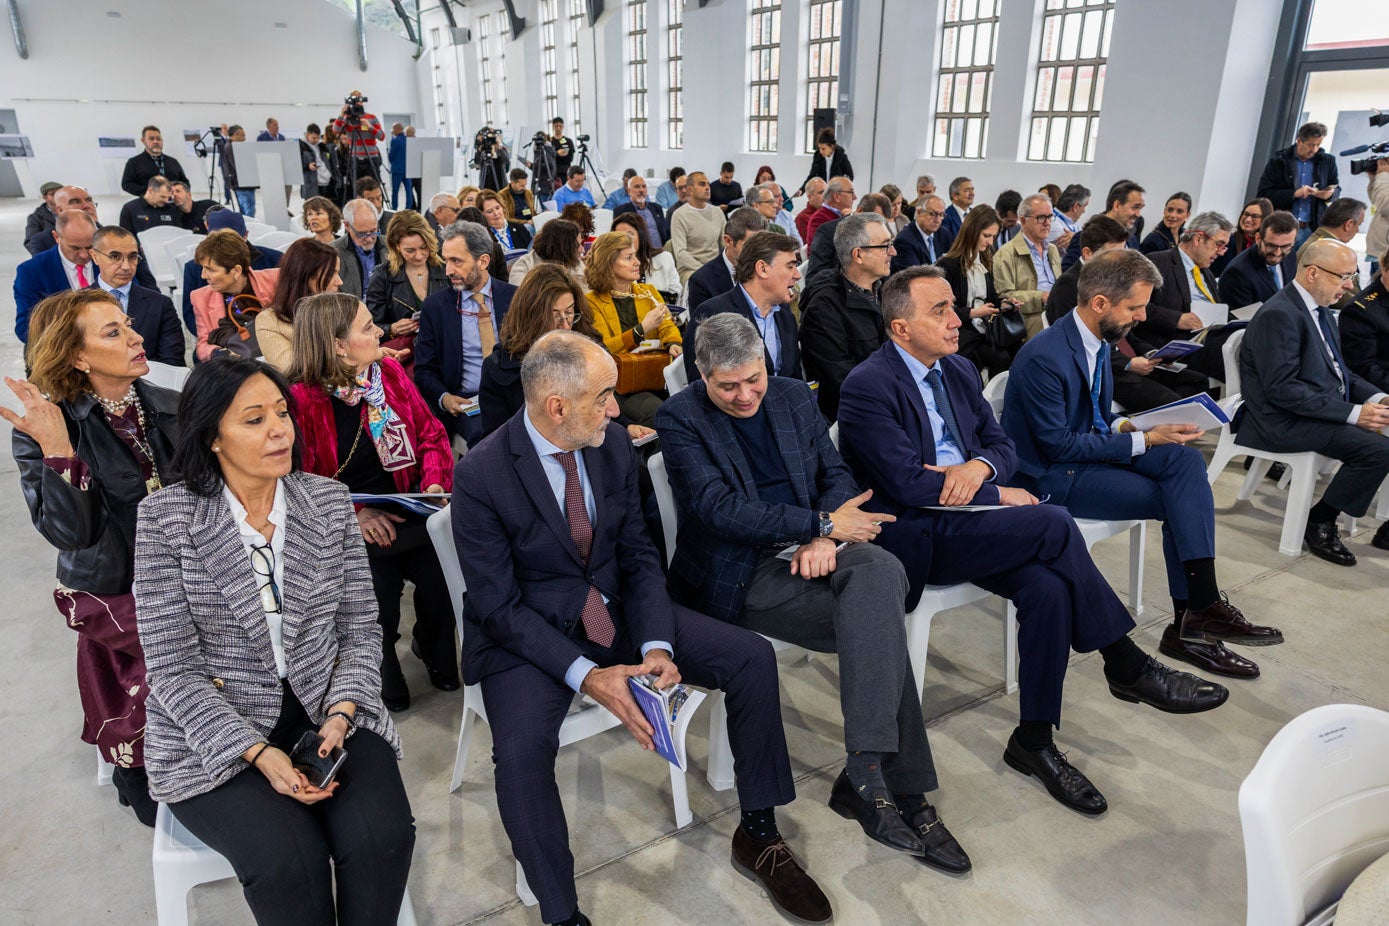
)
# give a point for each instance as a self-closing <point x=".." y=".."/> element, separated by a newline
<point x="319" y="770"/>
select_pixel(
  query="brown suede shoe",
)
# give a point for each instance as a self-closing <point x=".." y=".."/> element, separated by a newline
<point x="794" y="893"/>
<point x="1222" y="622"/>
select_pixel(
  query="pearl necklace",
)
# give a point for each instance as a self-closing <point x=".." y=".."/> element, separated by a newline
<point x="116" y="407"/>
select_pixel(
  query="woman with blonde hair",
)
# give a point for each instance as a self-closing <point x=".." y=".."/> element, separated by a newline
<point x="467" y="196"/>
<point x="412" y="271"/>
<point x="627" y="313"/>
<point x="93" y="441"/>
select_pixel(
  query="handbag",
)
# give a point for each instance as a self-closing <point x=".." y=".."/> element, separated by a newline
<point x="235" y="332"/>
<point x="641" y="372"/>
<point x="1006" y="329"/>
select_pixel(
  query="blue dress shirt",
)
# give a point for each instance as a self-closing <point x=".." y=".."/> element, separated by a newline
<point x="564" y="196"/>
<point x="948" y="453"/>
<point x="472" y="343"/>
<point x="766" y="326"/>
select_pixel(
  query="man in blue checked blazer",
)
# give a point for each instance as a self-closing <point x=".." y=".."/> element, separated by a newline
<point x="566" y="595"/>
<point x="754" y="474"/>
<point x="914" y="427"/>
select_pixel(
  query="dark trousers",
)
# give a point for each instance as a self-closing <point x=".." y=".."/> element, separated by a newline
<point x="412" y="558"/>
<point x="285" y="853"/>
<point x="1167" y="484"/>
<point x="1036" y="558"/>
<point x="856" y="612"/>
<point x="1138" y="393"/>
<point x="525" y="708"/>
<point x="987" y="357"/>
<point x="1364" y="457"/>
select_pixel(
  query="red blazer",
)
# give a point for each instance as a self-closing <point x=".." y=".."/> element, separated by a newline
<point x="817" y="218"/>
<point x="318" y="433"/>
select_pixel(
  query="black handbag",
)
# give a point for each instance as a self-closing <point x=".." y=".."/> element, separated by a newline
<point x="1005" y="330"/>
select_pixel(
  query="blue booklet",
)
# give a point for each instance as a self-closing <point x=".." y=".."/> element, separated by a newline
<point x="414" y="502"/>
<point x="669" y="713"/>
<point x="1174" y="350"/>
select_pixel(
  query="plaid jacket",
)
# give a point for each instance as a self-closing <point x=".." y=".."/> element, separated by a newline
<point x="724" y="528"/>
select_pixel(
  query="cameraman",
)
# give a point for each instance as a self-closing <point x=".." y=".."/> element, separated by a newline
<point x="491" y="157"/>
<point x="1377" y="236"/>
<point x="364" y="130"/>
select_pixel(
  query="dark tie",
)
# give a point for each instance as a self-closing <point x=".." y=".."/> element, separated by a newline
<point x="1328" y="330"/>
<point x="947" y="414"/>
<point x="598" y="623"/>
<point x="1101" y="358"/>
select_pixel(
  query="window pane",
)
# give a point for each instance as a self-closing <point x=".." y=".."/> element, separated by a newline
<point x="961" y="92"/>
<point x="969" y="9"/>
<point x="1347" y="24"/>
<point x="1070" y="35"/>
<point x="1090" y="38"/>
<point x="977" y="89"/>
<point x="966" y="52"/>
<point x="983" y="43"/>
<point x="964" y="85"/>
<point x="1036" y="144"/>
<point x="1056" y="138"/>
<point x="1075" y="138"/>
<point x="1045" y="84"/>
<point x="1050" y="37"/>
<point x="1070" y="79"/>
<point x="1099" y="89"/>
<point x="1085" y="79"/>
<point x="1064" y="76"/>
<point x="947" y="47"/>
<point x="972" y="134"/>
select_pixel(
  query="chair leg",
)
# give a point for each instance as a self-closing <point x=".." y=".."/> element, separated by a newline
<point x="720" y="774"/>
<point x="170" y="899"/>
<point x="407" y="911"/>
<point x="1010" y="646"/>
<point x="465" y="737"/>
<point x="1138" y="543"/>
<point x="1382" y="509"/>
<point x="1258" y="469"/>
<point x="680" y="796"/>
<point x="1302" y="488"/>
<point x="1224" y="453"/>
<point x="523" y="888"/>
<point x="918" y="641"/>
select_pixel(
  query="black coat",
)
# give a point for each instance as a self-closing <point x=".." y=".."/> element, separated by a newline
<point x="1365" y="334"/>
<point x="499" y="394"/>
<point x="1247" y="279"/>
<point x="734" y="301"/>
<point x="390" y="297"/>
<point x="839" y="167"/>
<point x="1279" y="181"/>
<point x="713" y="279"/>
<point x="1064" y="295"/>
<point x="840" y="326"/>
<point x="94" y="530"/>
<point x="959" y="285"/>
<point x="912" y="250"/>
<point x="139" y="169"/>
<point x="40" y="222"/>
<point x="823" y="256"/>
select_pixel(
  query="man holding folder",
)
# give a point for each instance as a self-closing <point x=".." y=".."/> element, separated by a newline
<point x="1073" y="448"/>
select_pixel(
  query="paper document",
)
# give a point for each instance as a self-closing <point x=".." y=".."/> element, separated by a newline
<point x="415" y="502"/>
<point x="1247" y="313"/>
<point x="669" y="713"/>
<point x="1172" y="350"/>
<point x="1211" y="313"/>
<point x="789" y="553"/>
<point x="638" y="441"/>
<point x="1200" y="410"/>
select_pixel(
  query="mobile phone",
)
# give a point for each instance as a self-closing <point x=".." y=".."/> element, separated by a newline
<point x="320" y="770"/>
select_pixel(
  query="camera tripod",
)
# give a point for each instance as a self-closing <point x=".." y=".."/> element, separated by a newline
<point x="590" y="171"/>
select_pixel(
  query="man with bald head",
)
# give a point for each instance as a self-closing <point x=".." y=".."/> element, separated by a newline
<point x="1300" y="395"/>
<point x="64" y="198"/>
<point x="66" y="266"/>
<point x="814" y="199"/>
<point x="566" y="595"/>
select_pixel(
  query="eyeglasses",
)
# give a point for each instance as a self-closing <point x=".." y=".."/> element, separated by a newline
<point x="1041" y="219"/>
<point x="1343" y="277"/>
<point x="365" y="235"/>
<point x="1277" y="248"/>
<point x="563" y="318"/>
<point x="118" y="259"/>
<point x="874" y="247"/>
<point x="1252" y="215"/>
<point x="263" y="564"/>
<point x="935" y="215"/>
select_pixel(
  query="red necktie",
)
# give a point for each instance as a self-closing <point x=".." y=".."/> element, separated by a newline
<point x="81" y="277"/>
<point x="598" y="623"/>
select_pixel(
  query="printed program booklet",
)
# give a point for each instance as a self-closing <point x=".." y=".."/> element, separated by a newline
<point x="669" y="713"/>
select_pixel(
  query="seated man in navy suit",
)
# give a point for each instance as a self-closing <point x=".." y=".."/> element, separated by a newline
<point x="766" y="276"/>
<point x="716" y="277"/>
<point x="1256" y="273"/>
<point x="459" y="328"/>
<point x="566" y="595"/>
<point x="66" y="266"/>
<point x="151" y="313"/>
<point x="1072" y="447"/>
<point x="755" y="474"/>
<point x="916" y="430"/>
<point x="923" y="241"/>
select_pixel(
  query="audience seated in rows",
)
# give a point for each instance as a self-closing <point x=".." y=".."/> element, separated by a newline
<point x="66" y="266"/>
<point x="839" y="200"/>
<point x="1169" y="231"/>
<point x="650" y="214"/>
<point x="923" y="241"/>
<point x="718" y="275"/>
<point x="1065" y="216"/>
<point x="38" y="225"/>
<point x="823" y="255"/>
<point x="309" y="267"/>
<point x="369" y="188"/>
<point x="814" y="199"/>
<point x="573" y="190"/>
<point x="1251" y="218"/>
<point x="411" y="273"/>
<point x="559" y="241"/>
<point x="152" y="209"/>
<point x="361" y="248"/>
<point x="1261" y="270"/>
<point x="1124" y="204"/>
<point x="443" y="210"/>
<point x="725" y="193"/>
<point x="496" y="268"/>
<point x="1168" y="315"/>
<point x="619" y="196"/>
<point x="219" y="218"/>
<point x="1341" y="221"/>
<point x="961" y="201"/>
<point x="657" y="266"/>
<point x="510" y="236"/>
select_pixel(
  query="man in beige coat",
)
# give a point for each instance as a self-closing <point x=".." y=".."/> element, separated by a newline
<point x="1026" y="267"/>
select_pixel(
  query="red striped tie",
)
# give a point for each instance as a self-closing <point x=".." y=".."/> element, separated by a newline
<point x="598" y="623"/>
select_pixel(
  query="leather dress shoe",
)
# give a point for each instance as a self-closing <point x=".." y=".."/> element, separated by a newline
<point x="395" y="694"/>
<point x="941" y="852"/>
<point x="1275" y="470"/>
<point x="1381" y="540"/>
<point x="1213" y="657"/>
<point x="445" y="679"/>
<point x="1222" y="622"/>
<point x="1063" y="780"/>
<point x="880" y="818"/>
<point x="1324" y="540"/>
<point x="791" y="890"/>
<point x="1168" y="690"/>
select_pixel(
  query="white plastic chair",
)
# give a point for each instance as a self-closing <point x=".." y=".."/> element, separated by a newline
<point x="166" y="376"/>
<point x="279" y="240"/>
<point x="602" y="221"/>
<point x="589" y="719"/>
<point x="1315" y="813"/>
<point x="541" y="219"/>
<point x="993" y="393"/>
<point x="254" y="229"/>
<point x="182" y="862"/>
<point x="1302" y="467"/>
<point x="675" y="375"/>
<point x="153" y="241"/>
<point x="104" y="769"/>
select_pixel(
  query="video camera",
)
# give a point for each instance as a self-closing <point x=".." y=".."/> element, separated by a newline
<point x="1360" y="165"/>
<point x="355" y="109"/>
<point x="486" y="141"/>
<point x="200" y="148"/>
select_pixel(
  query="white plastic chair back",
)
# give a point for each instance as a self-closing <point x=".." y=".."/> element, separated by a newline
<point x="279" y="240"/>
<point x="254" y="229"/>
<point x="440" y="527"/>
<point x="1230" y="351"/>
<point x="834" y="435"/>
<point x="542" y="218"/>
<point x="1315" y="812"/>
<point x="166" y="376"/>
<point x="675" y="375"/>
<point x="665" y="501"/>
<point x="550" y="205"/>
<point x="993" y="392"/>
<point x="602" y="221"/>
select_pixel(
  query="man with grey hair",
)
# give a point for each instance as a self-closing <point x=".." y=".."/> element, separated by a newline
<point x="774" y="540"/>
<point x="925" y="186"/>
<point x="361" y="249"/>
<point x="651" y="214"/>
<point x="814" y="199"/>
<point x="1098" y="465"/>
<point x="765" y="278"/>
<point x="459" y="328"/>
<point x="1186" y="280"/>
<point x="1026" y="268"/>
<point x="783" y="218"/>
<point x="566" y="596"/>
<point x="443" y="212"/>
<point x="841" y="321"/>
<point x="716" y="277"/>
<point x="923" y="241"/>
<point x="916" y="430"/>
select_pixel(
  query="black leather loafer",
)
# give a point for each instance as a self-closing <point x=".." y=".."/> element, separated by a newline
<point x="1062" y="779"/>
<point x="1222" y="622"/>
<point x="1168" y="690"/>
<point x="1381" y="539"/>
<point x="942" y="851"/>
<point x="880" y="819"/>
<point x="445" y="679"/>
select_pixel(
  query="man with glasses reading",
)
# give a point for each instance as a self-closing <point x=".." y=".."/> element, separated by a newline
<point x="361" y="249"/>
<point x="1186" y="279"/>
<point x="152" y="314"/>
<point x="1257" y="272"/>
<point x="1026" y="268"/>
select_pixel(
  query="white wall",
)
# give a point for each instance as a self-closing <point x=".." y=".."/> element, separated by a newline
<point x="185" y="64"/>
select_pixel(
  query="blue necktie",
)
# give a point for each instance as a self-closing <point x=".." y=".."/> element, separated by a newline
<point x="931" y="248"/>
<point x="947" y="414"/>
<point x="1101" y="358"/>
<point x="1277" y="271"/>
<point x="1328" y="330"/>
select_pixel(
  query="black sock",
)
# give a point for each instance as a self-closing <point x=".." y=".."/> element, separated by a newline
<point x="865" y="773"/>
<point x="573" y="919"/>
<point x="1123" y="660"/>
<point x="761" y="824"/>
<point x="1035" y="735"/>
<point x="1202" y="590"/>
<point x="1179" y="606"/>
<point x="1322" y="513"/>
<point x="908" y="805"/>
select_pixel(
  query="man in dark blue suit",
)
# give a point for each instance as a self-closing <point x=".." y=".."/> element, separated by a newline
<point x="566" y="596"/>
<point x="716" y="277"/>
<point x="1257" y="272"/>
<point x="68" y="265"/>
<point x="1073" y="448"/>
<point x="916" y="430"/>
<point x="1124" y="204"/>
<point x="459" y="327"/>
<point x="961" y="201"/>
<point x="766" y="277"/>
<point x="116" y="255"/>
<point x="755" y="475"/>
<point x="1300" y="394"/>
<point x="924" y="241"/>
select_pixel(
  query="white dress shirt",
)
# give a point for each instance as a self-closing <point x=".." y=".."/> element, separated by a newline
<point x="1091" y="343"/>
<point x="70" y="269"/>
<point x="252" y="538"/>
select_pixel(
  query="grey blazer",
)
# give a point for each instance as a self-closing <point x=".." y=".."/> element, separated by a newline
<point x="351" y="270"/>
<point x="214" y="690"/>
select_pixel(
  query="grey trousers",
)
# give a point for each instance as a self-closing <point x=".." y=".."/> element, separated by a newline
<point x="856" y="612"/>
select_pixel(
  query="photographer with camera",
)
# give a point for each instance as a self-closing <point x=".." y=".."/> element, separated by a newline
<point x="363" y="130"/>
<point x="491" y="157"/>
<point x="1377" y="236"/>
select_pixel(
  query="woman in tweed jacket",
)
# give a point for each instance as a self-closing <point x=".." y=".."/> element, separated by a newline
<point x="258" y="623"/>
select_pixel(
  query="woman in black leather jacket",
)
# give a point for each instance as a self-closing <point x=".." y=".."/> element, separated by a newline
<point x="92" y="443"/>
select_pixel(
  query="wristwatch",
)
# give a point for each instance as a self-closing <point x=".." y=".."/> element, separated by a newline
<point x="826" y="524"/>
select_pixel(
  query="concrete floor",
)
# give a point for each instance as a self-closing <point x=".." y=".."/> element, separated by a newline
<point x="1168" y="851"/>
